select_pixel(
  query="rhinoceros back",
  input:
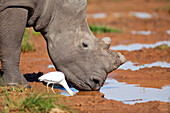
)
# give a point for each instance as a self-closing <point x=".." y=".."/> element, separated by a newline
<point x="29" y="4"/>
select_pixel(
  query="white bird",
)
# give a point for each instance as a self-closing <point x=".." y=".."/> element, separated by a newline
<point x="55" y="78"/>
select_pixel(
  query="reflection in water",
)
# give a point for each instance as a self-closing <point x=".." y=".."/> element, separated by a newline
<point x="64" y="92"/>
<point x="132" y="66"/>
<point x="131" y="94"/>
<point x="138" y="46"/>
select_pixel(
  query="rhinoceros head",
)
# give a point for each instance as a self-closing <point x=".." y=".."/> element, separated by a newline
<point x="74" y="50"/>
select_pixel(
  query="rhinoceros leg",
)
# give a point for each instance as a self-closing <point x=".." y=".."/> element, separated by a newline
<point x="12" y="26"/>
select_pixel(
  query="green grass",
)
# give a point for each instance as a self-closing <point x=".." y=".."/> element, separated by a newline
<point x="163" y="8"/>
<point x="36" y="33"/>
<point x="162" y="47"/>
<point x="103" y="29"/>
<point x="19" y="101"/>
<point x="26" y="45"/>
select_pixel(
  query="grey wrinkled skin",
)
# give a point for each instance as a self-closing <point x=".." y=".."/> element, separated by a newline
<point x="73" y="49"/>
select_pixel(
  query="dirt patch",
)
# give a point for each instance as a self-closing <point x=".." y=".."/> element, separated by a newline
<point x="154" y="77"/>
<point x="37" y="61"/>
<point x="95" y="103"/>
<point x="147" y="56"/>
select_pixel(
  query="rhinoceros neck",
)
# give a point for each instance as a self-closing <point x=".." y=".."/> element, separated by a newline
<point x="42" y="15"/>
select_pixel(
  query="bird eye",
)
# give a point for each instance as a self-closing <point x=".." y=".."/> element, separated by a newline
<point x="84" y="45"/>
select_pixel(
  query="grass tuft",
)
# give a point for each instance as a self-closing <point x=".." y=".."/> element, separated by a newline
<point x="26" y="45"/>
<point x="36" y="103"/>
<point x="103" y="29"/>
<point x="163" y="8"/>
<point x="30" y="102"/>
<point x="162" y="47"/>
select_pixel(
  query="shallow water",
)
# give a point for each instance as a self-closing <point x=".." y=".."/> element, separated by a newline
<point x="138" y="46"/>
<point x="141" y="32"/>
<point x="132" y="66"/>
<point x="131" y="93"/>
<point x="64" y="92"/>
<point x="168" y="32"/>
<point x="97" y="15"/>
<point x="50" y="66"/>
<point x="141" y="15"/>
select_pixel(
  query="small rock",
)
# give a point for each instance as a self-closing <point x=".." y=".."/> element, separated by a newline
<point x="57" y="110"/>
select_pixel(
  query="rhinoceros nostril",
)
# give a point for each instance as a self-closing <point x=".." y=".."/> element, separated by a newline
<point x="96" y="81"/>
<point x="96" y="84"/>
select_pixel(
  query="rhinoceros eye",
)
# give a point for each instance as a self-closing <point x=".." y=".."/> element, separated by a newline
<point x="84" y="45"/>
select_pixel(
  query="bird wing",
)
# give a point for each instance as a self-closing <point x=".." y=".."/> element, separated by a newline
<point x="52" y="76"/>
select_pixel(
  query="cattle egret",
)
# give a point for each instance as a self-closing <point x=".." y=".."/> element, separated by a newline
<point x="55" y="78"/>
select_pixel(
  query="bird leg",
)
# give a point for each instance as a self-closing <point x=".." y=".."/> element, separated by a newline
<point x="47" y="87"/>
<point x="53" y="89"/>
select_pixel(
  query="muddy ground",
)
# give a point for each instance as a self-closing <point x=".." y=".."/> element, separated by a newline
<point x="155" y="77"/>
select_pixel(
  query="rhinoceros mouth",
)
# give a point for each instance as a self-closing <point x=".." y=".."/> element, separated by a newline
<point x="85" y="82"/>
<point x="82" y="80"/>
<point x="90" y="83"/>
<point x="82" y="86"/>
<point x="75" y="81"/>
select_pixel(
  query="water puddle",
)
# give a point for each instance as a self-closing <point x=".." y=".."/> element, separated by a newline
<point x="141" y="15"/>
<point x="64" y="92"/>
<point x="131" y="93"/>
<point x="138" y="46"/>
<point x="97" y="15"/>
<point x="168" y="32"/>
<point x="50" y="66"/>
<point x="132" y="66"/>
<point x="146" y="33"/>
